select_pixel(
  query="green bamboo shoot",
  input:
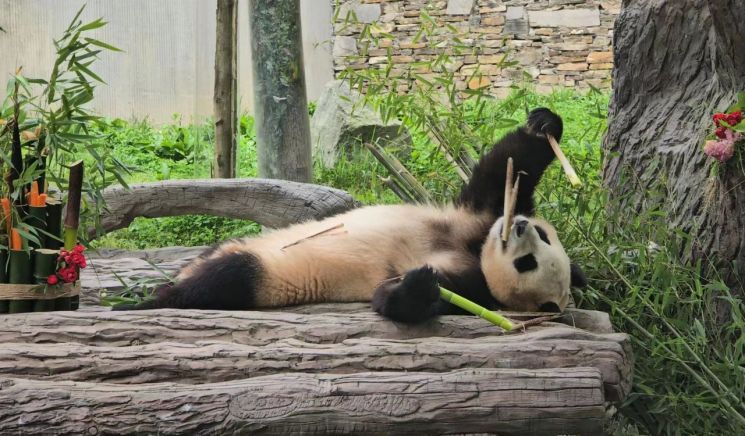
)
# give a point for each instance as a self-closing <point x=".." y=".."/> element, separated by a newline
<point x="476" y="309"/>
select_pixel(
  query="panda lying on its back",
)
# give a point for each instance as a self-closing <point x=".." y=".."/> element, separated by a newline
<point x="395" y="256"/>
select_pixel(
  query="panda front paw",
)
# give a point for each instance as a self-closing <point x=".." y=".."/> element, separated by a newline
<point x="542" y="121"/>
<point x="414" y="299"/>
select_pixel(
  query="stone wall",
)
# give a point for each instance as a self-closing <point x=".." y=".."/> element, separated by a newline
<point x="559" y="43"/>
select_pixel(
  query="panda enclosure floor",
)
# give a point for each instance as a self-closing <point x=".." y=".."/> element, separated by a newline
<point x="330" y="368"/>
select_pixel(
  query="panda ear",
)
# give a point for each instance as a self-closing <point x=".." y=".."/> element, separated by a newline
<point x="578" y="279"/>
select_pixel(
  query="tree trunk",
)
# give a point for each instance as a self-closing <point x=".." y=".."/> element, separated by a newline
<point x="676" y="62"/>
<point x="507" y="401"/>
<point x="226" y="90"/>
<point x="281" y="109"/>
<point x="271" y="203"/>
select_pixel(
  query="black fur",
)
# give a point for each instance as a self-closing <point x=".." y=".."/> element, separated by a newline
<point x="542" y="234"/>
<point x="525" y="263"/>
<point x="578" y="279"/>
<point x="531" y="154"/>
<point x="227" y="282"/>
<point x="412" y="299"/>
<point x="549" y="307"/>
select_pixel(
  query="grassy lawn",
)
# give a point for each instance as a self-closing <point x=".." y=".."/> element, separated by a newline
<point x="180" y="151"/>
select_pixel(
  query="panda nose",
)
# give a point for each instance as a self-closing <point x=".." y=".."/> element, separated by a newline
<point x="549" y="307"/>
<point x="520" y="227"/>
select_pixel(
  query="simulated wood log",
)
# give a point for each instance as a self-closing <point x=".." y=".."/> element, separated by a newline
<point x="226" y="94"/>
<point x="106" y="328"/>
<point x="514" y="401"/>
<point x="676" y="63"/>
<point x="223" y="361"/>
<point x="272" y="203"/>
<point x="281" y="108"/>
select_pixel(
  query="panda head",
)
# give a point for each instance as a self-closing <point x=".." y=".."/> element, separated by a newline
<point x="531" y="271"/>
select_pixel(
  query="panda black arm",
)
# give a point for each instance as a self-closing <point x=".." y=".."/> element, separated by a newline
<point x="416" y="298"/>
<point x="531" y="154"/>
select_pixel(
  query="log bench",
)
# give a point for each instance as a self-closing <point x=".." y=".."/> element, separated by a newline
<point x="326" y="368"/>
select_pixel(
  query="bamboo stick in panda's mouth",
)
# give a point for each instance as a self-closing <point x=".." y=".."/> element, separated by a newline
<point x="510" y="201"/>
<point x="506" y="223"/>
<point x="568" y="170"/>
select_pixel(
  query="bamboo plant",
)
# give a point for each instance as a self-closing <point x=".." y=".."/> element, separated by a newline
<point x="44" y="128"/>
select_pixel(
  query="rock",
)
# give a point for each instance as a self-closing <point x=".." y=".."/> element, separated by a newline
<point x="459" y="7"/>
<point x="342" y="122"/>
<point x="516" y="21"/>
<point x="581" y="17"/>
<point x="365" y="13"/>
<point x="344" y="46"/>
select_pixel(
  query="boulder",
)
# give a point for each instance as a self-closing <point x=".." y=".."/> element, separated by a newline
<point x="342" y="122"/>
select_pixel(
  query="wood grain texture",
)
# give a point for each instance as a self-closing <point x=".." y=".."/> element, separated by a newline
<point x="272" y="203"/>
<point x="206" y="362"/>
<point x="511" y="401"/>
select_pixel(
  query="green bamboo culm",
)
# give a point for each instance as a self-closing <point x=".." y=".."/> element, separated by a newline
<point x="4" y="277"/>
<point x="20" y="273"/>
<point x="54" y="224"/>
<point x="476" y="309"/>
<point x="37" y="218"/>
<point x="45" y="263"/>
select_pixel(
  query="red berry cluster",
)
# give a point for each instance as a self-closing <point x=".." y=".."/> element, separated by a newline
<point x="73" y="261"/>
<point x="731" y="119"/>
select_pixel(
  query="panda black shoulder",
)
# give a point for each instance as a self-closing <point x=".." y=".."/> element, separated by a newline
<point x="531" y="154"/>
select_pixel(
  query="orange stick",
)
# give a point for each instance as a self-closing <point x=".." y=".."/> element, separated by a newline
<point x="15" y="241"/>
<point x="42" y="199"/>
<point x="6" y="213"/>
<point x="34" y="193"/>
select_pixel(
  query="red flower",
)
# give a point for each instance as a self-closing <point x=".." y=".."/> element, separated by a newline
<point x="78" y="249"/>
<point x="734" y="118"/>
<point x="76" y="259"/>
<point x="719" y="117"/>
<point x="68" y="274"/>
<point x="721" y="132"/>
<point x="52" y="279"/>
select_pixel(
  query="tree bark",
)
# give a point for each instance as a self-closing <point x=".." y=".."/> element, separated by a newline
<point x="226" y="89"/>
<point x="507" y="401"/>
<point x="282" y="125"/>
<point x="676" y="62"/>
<point x="272" y="203"/>
<point x="208" y="362"/>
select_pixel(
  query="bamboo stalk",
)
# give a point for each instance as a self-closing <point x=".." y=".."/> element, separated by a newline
<point x="476" y="309"/>
<point x="507" y="224"/>
<point x="72" y="212"/>
<point x="398" y="171"/>
<point x="54" y="223"/>
<point x="395" y="186"/>
<point x="37" y="218"/>
<point x="20" y="273"/>
<point x="568" y="170"/>
<point x="4" y="278"/>
<point x="45" y="263"/>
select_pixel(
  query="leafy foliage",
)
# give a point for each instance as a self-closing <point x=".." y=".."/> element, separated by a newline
<point x="55" y="118"/>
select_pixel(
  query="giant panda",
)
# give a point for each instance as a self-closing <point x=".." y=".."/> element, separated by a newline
<point x="397" y="256"/>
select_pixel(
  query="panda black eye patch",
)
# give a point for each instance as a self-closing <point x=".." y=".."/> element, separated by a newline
<point x="525" y="263"/>
<point x="542" y="234"/>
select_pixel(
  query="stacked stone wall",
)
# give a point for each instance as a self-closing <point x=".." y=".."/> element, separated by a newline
<point x="558" y="43"/>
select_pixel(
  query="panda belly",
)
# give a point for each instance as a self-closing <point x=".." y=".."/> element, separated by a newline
<point x="353" y="254"/>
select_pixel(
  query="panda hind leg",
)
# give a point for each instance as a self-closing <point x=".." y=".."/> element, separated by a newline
<point x="414" y="298"/>
<point x="226" y="282"/>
